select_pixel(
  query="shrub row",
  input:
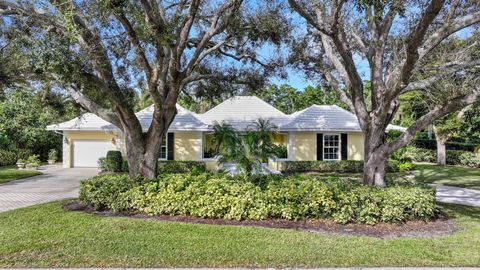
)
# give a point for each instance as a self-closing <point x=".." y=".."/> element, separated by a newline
<point x="291" y="198"/>
<point x="341" y="166"/>
<point x="175" y="166"/>
<point x="432" y="144"/>
<point x="454" y="157"/>
<point x="10" y="157"/>
<point x="114" y="162"/>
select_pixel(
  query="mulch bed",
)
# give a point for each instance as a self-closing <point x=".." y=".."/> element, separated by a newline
<point x="442" y="225"/>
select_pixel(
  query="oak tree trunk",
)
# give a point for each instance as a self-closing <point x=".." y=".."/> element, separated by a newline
<point x="375" y="157"/>
<point x="143" y="149"/>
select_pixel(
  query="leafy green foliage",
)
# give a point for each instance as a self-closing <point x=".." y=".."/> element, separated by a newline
<point x="53" y="154"/>
<point x="341" y="166"/>
<point x="288" y="99"/>
<point x="248" y="150"/>
<point x="454" y="157"/>
<point x="114" y="161"/>
<point x="10" y="157"/>
<point x="470" y="159"/>
<point x="24" y="115"/>
<point x="175" y="166"/>
<point x="291" y="198"/>
<point x="107" y="191"/>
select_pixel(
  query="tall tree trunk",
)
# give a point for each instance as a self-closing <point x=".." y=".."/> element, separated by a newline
<point x="375" y="157"/>
<point x="441" y="150"/>
<point x="135" y="147"/>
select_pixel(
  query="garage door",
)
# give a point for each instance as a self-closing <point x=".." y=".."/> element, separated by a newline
<point x="87" y="152"/>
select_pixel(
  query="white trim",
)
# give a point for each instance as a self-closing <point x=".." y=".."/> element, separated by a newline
<point x="291" y="144"/>
<point x="339" y="151"/>
<point x="166" y="148"/>
<point x="200" y="153"/>
<point x="64" y="151"/>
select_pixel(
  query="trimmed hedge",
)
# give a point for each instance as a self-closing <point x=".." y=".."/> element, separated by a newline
<point x="454" y="157"/>
<point x="175" y="166"/>
<point x="291" y="198"/>
<point x="114" y="161"/>
<point x="450" y="145"/>
<point x="341" y="166"/>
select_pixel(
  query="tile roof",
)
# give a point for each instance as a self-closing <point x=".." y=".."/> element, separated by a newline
<point x="240" y="112"/>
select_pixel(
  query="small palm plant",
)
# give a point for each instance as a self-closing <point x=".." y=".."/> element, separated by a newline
<point x="248" y="150"/>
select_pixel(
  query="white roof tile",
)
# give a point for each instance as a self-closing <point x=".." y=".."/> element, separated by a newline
<point x="87" y="121"/>
<point x="241" y="109"/>
<point x="240" y="112"/>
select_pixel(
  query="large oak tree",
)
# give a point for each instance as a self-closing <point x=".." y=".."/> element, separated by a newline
<point x="395" y="38"/>
<point x="99" y="50"/>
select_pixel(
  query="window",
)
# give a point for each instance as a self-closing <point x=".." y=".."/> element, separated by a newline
<point x="163" y="148"/>
<point x="331" y="147"/>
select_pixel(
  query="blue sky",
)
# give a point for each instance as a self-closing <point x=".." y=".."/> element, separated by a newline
<point x="297" y="79"/>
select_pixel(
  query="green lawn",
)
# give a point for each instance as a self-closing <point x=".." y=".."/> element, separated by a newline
<point x="46" y="235"/>
<point x="446" y="175"/>
<point x="9" y="173"/>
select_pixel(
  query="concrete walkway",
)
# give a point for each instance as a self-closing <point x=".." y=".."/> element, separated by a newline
<point x="449" y="194"/>
<point x="55" y="183"/>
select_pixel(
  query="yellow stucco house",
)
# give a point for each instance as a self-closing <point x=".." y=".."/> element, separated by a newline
<point x="319" y="132"/>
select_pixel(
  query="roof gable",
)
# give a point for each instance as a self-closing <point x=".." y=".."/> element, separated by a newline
<point x="184" y="120"/>
<point x="240" y="109"/>
<point x="323" y="117"/>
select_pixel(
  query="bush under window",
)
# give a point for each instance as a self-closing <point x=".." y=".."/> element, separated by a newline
<point x="176" y="166"/>
<point x="341" y="166"/>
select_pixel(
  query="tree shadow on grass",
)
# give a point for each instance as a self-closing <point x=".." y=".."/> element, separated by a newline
<point x="456" y="210"/>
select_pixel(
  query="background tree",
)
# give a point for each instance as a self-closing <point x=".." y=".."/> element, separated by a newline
<point x="289" y="100"/>
<point x="100" y="50"/>
<point x="24" y="115"/>
<point x="396" y="38"/>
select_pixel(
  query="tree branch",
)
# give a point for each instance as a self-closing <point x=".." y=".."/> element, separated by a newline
<point x="93" y="107"/>
<point x="446" y="30"/>
<point x="132" y="35"/>
<point x="446" y="70"/>
<point x="428" y="118"/>
<point x="311" y="20"/>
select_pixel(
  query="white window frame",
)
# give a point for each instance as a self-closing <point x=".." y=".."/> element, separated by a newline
<point x="339" y="146"/>
<point x="166" y="148"/>
<point x="203" y="144"/>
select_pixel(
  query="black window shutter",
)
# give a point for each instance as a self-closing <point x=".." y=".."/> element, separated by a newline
<point x="170" y="144"/>
<point x="319" y="146"/>
<point x="344" y="146"/>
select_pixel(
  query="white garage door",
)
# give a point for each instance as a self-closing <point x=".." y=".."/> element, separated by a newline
<point x="87" y="152"/>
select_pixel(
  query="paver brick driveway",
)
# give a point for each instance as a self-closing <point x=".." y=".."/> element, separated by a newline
<point x="55" y="183"/>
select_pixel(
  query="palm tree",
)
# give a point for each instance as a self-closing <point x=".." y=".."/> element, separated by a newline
<point x="223" y="134"/>
<point x="247" y="150"/>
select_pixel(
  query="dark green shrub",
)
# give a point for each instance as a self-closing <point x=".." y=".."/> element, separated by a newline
<point x="114" y="161"/>
<point x="450" y="145"/>
<point x="470" y="159"/>
<point x="411" y="153"/>
<point x="125" y="166"/>
<point x="341" y="166"/>
<point x="102" y="164"/>
<point x="10" y="157"/>
<point x="292" y="197"/>
<point x="108" y="191"/>
<point x="454" y="157"/>
<point x="175" y="166"/>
